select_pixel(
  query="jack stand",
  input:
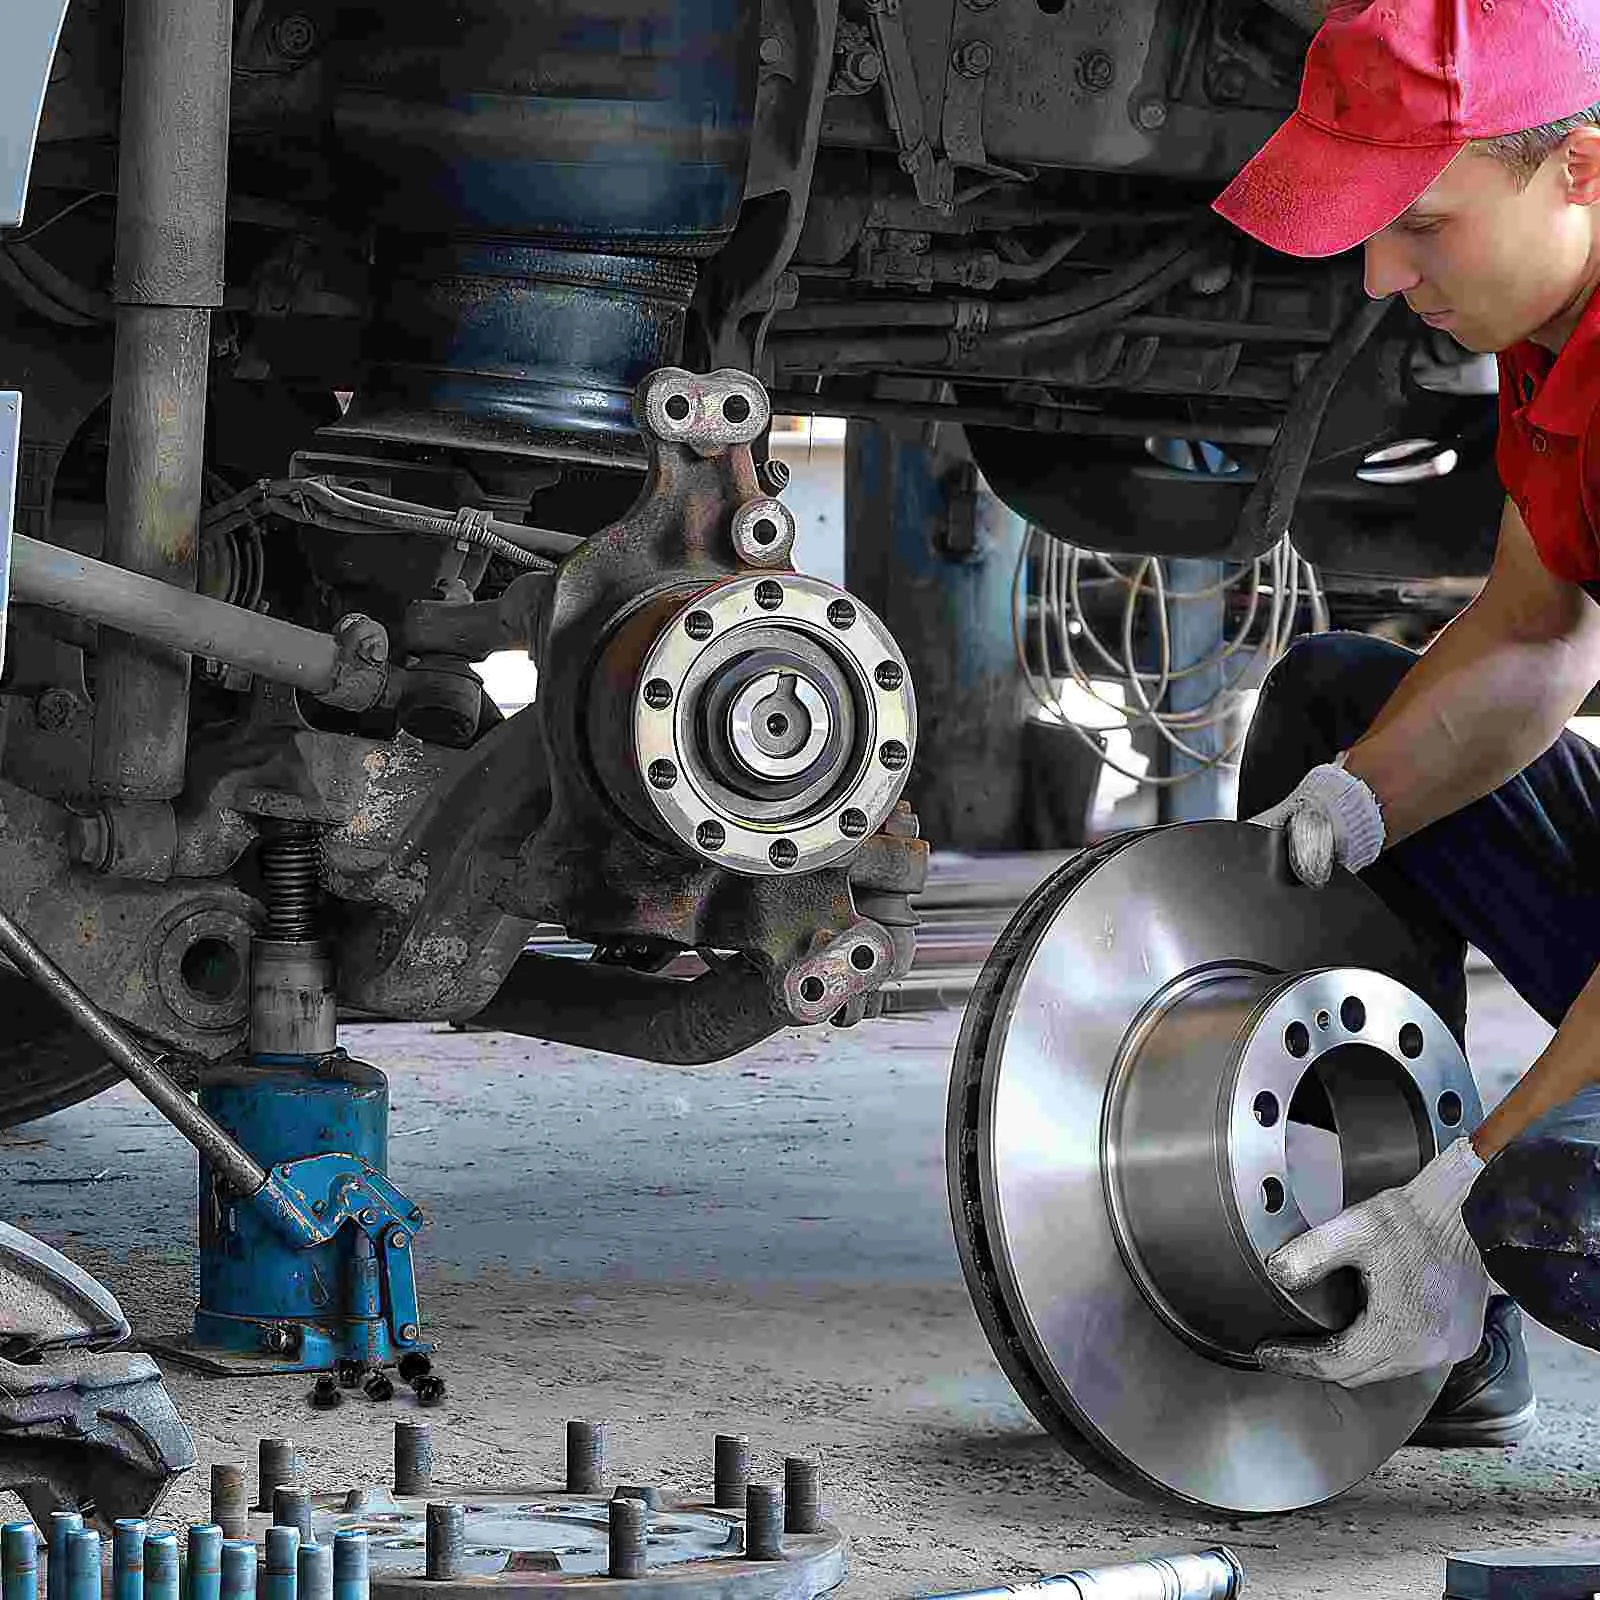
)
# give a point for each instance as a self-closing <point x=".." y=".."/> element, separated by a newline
<point x="318" y="1121"/>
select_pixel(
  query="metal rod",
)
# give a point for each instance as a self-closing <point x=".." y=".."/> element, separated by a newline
<point x="445" y="1545"/>
<point x="205" y="1560"/>
<point x="83" y="1564"/>
<point x="238" y="1569"/>
<point x="236" y="1165"/>
<point x="62" y="1524"/>
<point x="316" y="1572"/>
<point x="171" y="231"/>
<point x="1205" y="1575"/>
<point x="351" y="1569"/>
<point x="161" y="1571"/>
<point x="628" y="1539"/>
<point x="127" y="1558"/>
<point x="46" y="575"/>
<point x="19" y="1562"/>
<point x="229" y="1502"/>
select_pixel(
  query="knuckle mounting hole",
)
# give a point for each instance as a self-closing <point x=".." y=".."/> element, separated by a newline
<point x="863" y="958"/>
<point x="677" y="407"/>
<point x="736" y="408"/>
<point x="812" y="990"/>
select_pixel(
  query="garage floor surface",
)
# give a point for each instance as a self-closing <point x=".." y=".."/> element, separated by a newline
<point x="759" y="1247"/>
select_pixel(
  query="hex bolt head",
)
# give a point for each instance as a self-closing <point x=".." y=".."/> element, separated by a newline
<point x="295" y="35"/>
<point x="783" y="854"/>
<point x="627" y="1537"/>
<point x="698" y="625"/>
<point x="379" y="1386"/>
<point x="730" y="1470"/>
<point x="586" y="1457"/>
<point x="662" y="775"/>
<point x="658" y="694"/>
<point x="894" y="755"/>
<point x="1152" y="114"/>
<point x="889" y="675"/>
<point x="853" y="823"/>
<point x="771" y="50"/>
<point x="773" y="475"/>
<point x="325" y="1393"/>
<point x="429" y="1391"/>
<point x="974" y="58"/>
<point x="802" y="1496"/>
<point x="711" y="836"/>
<point x="842" y="615"/>
<point x="769" y="595"/>
<point x="763" y="1522"/>
<point x="1096" y="71"/>
<point x="54" y="710"/>
<point x="349" y="1373"/>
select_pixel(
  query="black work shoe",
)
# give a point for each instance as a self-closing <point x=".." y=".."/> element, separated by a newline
<point x="1487" y="1401"/>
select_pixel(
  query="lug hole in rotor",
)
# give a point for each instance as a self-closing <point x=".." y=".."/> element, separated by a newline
<point x="658" y="694"/>
<point x="711" y="836"/>
<point x="765" y="531"/>
<point x="784" y="853"/>
<point x="894" y="755"/>
<point x="736" y="408"/>
<point x="1353" y="1015"/>
<point x="769" y="595"/>
<point x="677" y="407"/>
<point x="1411" y="1041"/>
<point x="1272" y="1195"/>
<point x="863" y="958"/>
<point x="890" y="675"/>
<point x="698" y="625"/>
<point x="842" y="615"/>
<point x="852" y="823"/>
<point x="1297" y="1039"/>
<point x="1265" y="1107"/>
<point x="1450" y="1108"/>
<point x="812" y="990"/>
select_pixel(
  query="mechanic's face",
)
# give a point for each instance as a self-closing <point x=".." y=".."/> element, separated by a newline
<point x="1495" y="263"/>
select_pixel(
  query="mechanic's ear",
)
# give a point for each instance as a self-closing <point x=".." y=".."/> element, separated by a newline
<point x="1582" y="157"/>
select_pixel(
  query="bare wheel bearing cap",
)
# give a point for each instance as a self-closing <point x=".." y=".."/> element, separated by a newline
<point x="1177" y="1059"/>
<point x="773" y="725"/>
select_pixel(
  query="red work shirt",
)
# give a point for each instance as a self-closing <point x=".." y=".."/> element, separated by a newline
<point x="1548" y="450"/>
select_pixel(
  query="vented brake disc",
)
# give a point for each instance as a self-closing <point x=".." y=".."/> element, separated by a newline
<point x="1177" y="1059"/>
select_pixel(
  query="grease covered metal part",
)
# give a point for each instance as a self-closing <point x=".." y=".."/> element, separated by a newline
<point x="1173" y="1008"/>
<point x="806" y="644"/>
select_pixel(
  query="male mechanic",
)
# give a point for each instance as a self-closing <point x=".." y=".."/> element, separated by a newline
<point x="1457" y="142"/>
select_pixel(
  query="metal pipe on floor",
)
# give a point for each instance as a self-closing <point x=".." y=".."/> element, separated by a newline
<point x="46" y="575"/>
<point x="171" y="228"/>
<point x="1204" y="1575"/>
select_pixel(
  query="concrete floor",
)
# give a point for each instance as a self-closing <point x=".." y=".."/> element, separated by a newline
<point x="760" y="1247"/>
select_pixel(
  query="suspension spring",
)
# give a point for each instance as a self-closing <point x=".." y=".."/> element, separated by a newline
<point x="290" y="863"/>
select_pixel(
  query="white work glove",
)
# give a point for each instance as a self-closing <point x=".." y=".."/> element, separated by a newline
<point x="1425" y="1283"/>
<point x="1331" y="817"/>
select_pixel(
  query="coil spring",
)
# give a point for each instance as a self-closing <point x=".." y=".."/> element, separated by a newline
<point x="290" y="863"/>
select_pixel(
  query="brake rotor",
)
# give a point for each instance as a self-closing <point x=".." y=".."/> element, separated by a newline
<point x="1177" y="1059"/>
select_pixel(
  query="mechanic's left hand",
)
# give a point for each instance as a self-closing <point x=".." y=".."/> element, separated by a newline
<point x="1426" y="1288"/>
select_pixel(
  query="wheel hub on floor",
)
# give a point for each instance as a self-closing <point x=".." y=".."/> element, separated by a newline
<point x="1177" y="1060"/>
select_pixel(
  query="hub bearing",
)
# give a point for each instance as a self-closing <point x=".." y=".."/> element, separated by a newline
<point x="773" y="725"/>
<point x="1171" y="1066"/>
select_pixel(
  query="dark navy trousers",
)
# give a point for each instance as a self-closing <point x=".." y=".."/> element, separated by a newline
<point x="1518" y="875"/>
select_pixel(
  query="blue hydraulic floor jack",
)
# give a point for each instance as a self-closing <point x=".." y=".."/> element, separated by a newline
<point x="305" y="1246"/>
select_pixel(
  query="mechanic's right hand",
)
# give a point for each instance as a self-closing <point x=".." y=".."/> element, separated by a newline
<point x="1332" y="818"/>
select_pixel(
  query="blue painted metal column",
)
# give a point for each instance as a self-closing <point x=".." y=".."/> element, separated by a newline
<point x="933" y="553"/>
<point x="1197" y="631"/>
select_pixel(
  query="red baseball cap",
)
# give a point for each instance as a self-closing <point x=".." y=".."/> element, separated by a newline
<point x="1393" y="92"/>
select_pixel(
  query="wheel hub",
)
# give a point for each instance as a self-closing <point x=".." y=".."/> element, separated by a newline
<point x="1178" y="1059"/>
